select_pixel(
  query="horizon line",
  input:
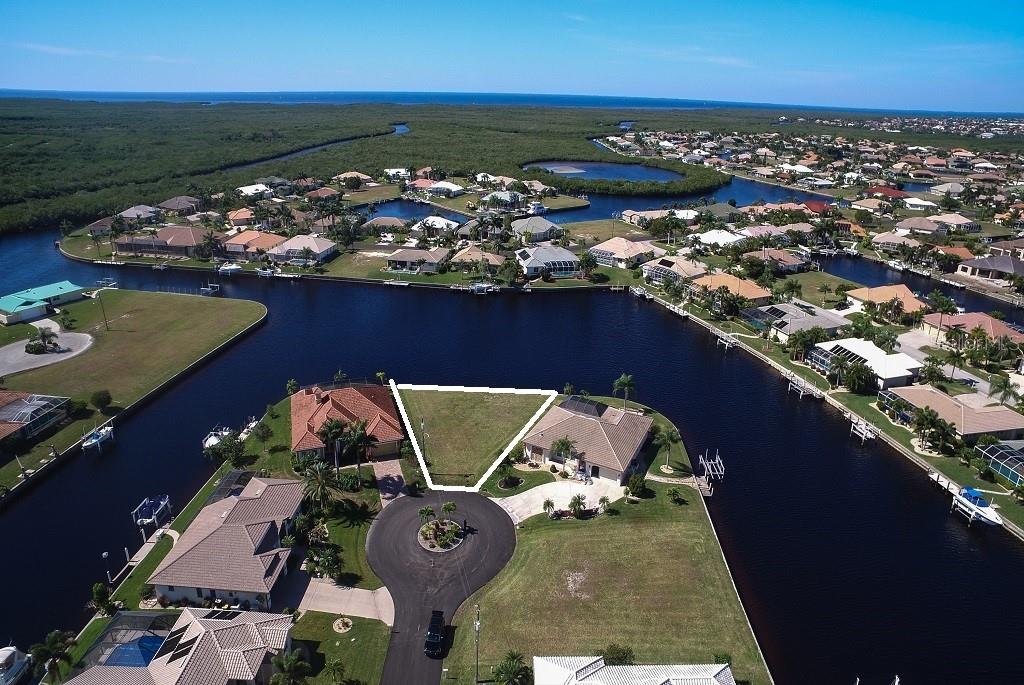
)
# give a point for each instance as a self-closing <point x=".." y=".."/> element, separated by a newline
<point x="697" y="102"/>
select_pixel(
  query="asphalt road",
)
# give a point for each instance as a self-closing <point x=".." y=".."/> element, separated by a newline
<point x="420" y="581"/>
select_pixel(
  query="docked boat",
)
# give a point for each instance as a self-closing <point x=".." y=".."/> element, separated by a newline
<point x="264" y="273"/>
<point x="152" y="511"/>
<point x="282" y="274"/>
<point x="229" y="269"/>
<point x="896" y="265"/>
<point x="480" y="288"/>
<point x="851" y="252"/>
<point x="973" y="504"/>
<point x="919" y="271"/>
<point x="160" y="267"/>
<point x="536" y="207"/>
<point x="214" y="437"/>
<point x="106" y="283"/>
<point x="15" y="666"/>
<point x="97" y="437"/>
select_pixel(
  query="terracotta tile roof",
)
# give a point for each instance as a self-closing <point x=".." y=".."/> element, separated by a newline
<point x="735" y="285"/>
<point x="234" y="544"/>
<point x="312" y="407"/>
<point x="967" y="419"/>
<point x="886" y="293"/>
<point x="994" y="328"/>
<point x="611" y="440"/>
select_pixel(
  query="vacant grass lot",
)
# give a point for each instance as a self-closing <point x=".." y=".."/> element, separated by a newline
<point x="466" y="431"/>
<point x="15" y="332"/>
<point x="574" y="586"/>
<point x="152" y="337"/>
<point x="367" y="195"/>
<point x="600" y="230"/>
<point x="564" y="202"/>
<point x="361" y="649"/>
<point x="810" y="281"/>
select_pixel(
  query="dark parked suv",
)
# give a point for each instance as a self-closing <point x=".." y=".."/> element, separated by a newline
<point x="434" y="643"/>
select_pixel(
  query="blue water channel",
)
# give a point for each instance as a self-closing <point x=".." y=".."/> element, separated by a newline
<point x="607" y="171"/>
<point x="847" y="561"/>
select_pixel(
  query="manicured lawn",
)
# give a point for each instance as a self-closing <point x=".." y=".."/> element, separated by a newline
<point x="603" y="275"/>
<point x="15" y="332"/>
<point x="466" y="431"/>
<point x="564" y="202"/>
<point x="810" y="281"/>
<point x="152" y="337"/>
<point x="275" y="455"/>
<point x="362" y="649"/>
<point x="651" y="577"/>
<point x="527" y="480"/>
<point x="457" y="203"/>
<point x="360" y="265"/>
<point x="348" y="530"/>
<point x="715" y="261"/>
<point x="602" y="229"/>
<point x="375" y="194"/>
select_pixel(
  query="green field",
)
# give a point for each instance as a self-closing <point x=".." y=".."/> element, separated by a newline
<point x="15" y="332"/>
<point x="466" y="431"/>
<point x="572" y="587"/>
<point x="526" y="480"/>
<point x="152" y="337"/>
<point x="361" y="649"/>
<point x="564" y="202"/>
<point x="366" y="195"/>
<point x="810" y="281"/>
<point x="600" y="230"/>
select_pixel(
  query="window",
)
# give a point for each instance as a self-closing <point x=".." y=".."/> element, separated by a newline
<point x="199" y="592"/>
<point x="170" y="588"/>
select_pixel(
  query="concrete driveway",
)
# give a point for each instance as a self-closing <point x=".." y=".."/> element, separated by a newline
<point x="911" y="343"/>
<point x="530" y="503"/>
<point x="13" y="357"/>
<point x="299" y="590"/>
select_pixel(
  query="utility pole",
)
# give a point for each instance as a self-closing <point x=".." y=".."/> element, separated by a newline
<point x="476" y="626"/>
<point x="99" y="296"/>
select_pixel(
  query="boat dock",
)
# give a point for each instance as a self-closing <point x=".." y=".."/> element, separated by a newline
<point x="802" y="387"/>
<point x="861" y="429"/>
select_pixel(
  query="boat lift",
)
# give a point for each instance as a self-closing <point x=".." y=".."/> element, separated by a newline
<point x="724" y="340"/>
<point x="862" y="429"/>
<point x="714" y="469"/>
<point x="802" y="387"/>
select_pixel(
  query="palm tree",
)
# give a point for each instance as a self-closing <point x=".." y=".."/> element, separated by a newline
<point x="52" y="652"/>
<point x="359" y="441"/>
<point x="839" y="366"/>
<point x="664" y="439"/>
<point x="448" y="508"/>
<point x="335" y="670"/>
<point x="923" y="422"/>
<point x="331" y="434"/>
<point x="943" y="433"/>
<point x="577" y="504"/>
<point x="604" y="503"/>
<point x="426" y="513"/>
<point x="625" y="385"/>
<point x="1003" y="389"/>
<point x="956" y="359"/>
<point x="319" y="483"/>
<point x="512" y="670"/>
<point x="859" y="377"/>
<point x="504" y="470"/>
<point x="563" y="447"/>
<point x="45" y="335"/>
<point x="549" y="507"/>
<point x="291" y="669"/>
<point x="381" y="376"/>
<point x="824" y="289"/>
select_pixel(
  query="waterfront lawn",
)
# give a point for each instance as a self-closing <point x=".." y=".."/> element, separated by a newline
<point x="810" y="281"/>
<point x="15" y="332"/>
<point x="600" y="230"/>
<point x="274" y="455"/>
<point x="362" y="649"/>
<point x="348" y="528"/>
<point x="361" y="265"/>
<point x="676" y="455"/>
<point x="527" y="480"/>
<point x="457" y="203"/>
<point x="583" y="584"/>
<point x="564" y="202"/>
<point x="82" y="245"/>
<point x="152" y="337"/>
<point x="366" y="195"/>
<point x="466" y="431"/>
<point x="602" y="275"/>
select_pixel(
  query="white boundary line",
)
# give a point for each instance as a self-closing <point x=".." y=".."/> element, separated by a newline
<point x="395" y="387"/>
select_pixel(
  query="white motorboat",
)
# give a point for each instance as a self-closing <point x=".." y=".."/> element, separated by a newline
<point x="852" y="251"/>
<point x="229" y="269"/>
<point x="15" y="666"/>
<point x="536" y="207"/>
<point x="97" y="437"/>
<point x="214" y="437"/>
<point x="896" y="265"/>
<point x="973" y="504"/>
<point x="264" y="273"/>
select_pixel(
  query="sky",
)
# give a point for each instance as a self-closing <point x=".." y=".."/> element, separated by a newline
<point x="939" y="54"/>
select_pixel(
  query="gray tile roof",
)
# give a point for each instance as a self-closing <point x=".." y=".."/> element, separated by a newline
<point x="611" y="440"/>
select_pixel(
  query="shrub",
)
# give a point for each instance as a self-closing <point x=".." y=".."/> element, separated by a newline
<point x="637" y="485"/>
<point x="554" y="469"/>
<point x="349" y="482"/>
<point x="35" y="347"/>
<point x="618" y="655"/>
<point x="101" y="399"/>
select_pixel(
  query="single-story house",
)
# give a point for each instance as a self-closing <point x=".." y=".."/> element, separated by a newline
<point x="970" y="422"/>
<point x="961" y="253"/>
<point x="919" y="224"/>
<point x="994" y="267"/>
<point x="312" y="407"/>
<point x="535" y="229"/>
<point x="956" y="222"/>
<point x="342" y="177"/>
<point x="887" y="293"/>
<point x="954" y="189"/>
<point x="718" y="237"/>
<point x="101" y="226"/>
<point x="417" y="261"/>
<point x="663" y="269"/>
<point x="1010" y="248"/>
<point x="140" y="213"/>
<point x="939" y="324"/>
<point x="23" y="415"/>
<point x="891" y="241"/>
<point x="553" y="260"/>
<point x="397" y="174"/>
<point x="748" y="290"/>
<point x="208" y="646"/>
<point x="592" y="670"/>
<point x="259" y="191"/>
<point x="871" y="204"/>
<point x="33" y="303"/>
<point x="197" y="218"/>
<point x="249" y="244"/>
<point x="295" y="248"/>
<point x="446" y="189"/>
<point x="232" y="551"/>
<point x="621" y="253"/>
<point x="385" y="223"/>
<point x="324" y="193"/>
<point x="241" y="217"/>
<point x="503" y="198"/>
<point x="891" y="369"/>
<point x="433" y="226"/>
<point x="722" y="210"/>
<point x="536" y="187"/>
<point x="606" y="440"/>
<point x="169" y="241"/>
<point x="786" y="318"/>
<point x="182" y="205"/>
<point x="918" y="205"/>
<point x="779" y="260"/>
<point x="473" y="255"/>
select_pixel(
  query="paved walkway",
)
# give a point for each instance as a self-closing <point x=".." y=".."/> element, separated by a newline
<point x="13" y="357"/>
<point x="324" y="595"/>
<point x="530" y="503"/>
<point x="390" y="483"/>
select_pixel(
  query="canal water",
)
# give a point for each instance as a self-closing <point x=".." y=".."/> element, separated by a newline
<point x="608" y="171"/>
<point x="847" y="561"/>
